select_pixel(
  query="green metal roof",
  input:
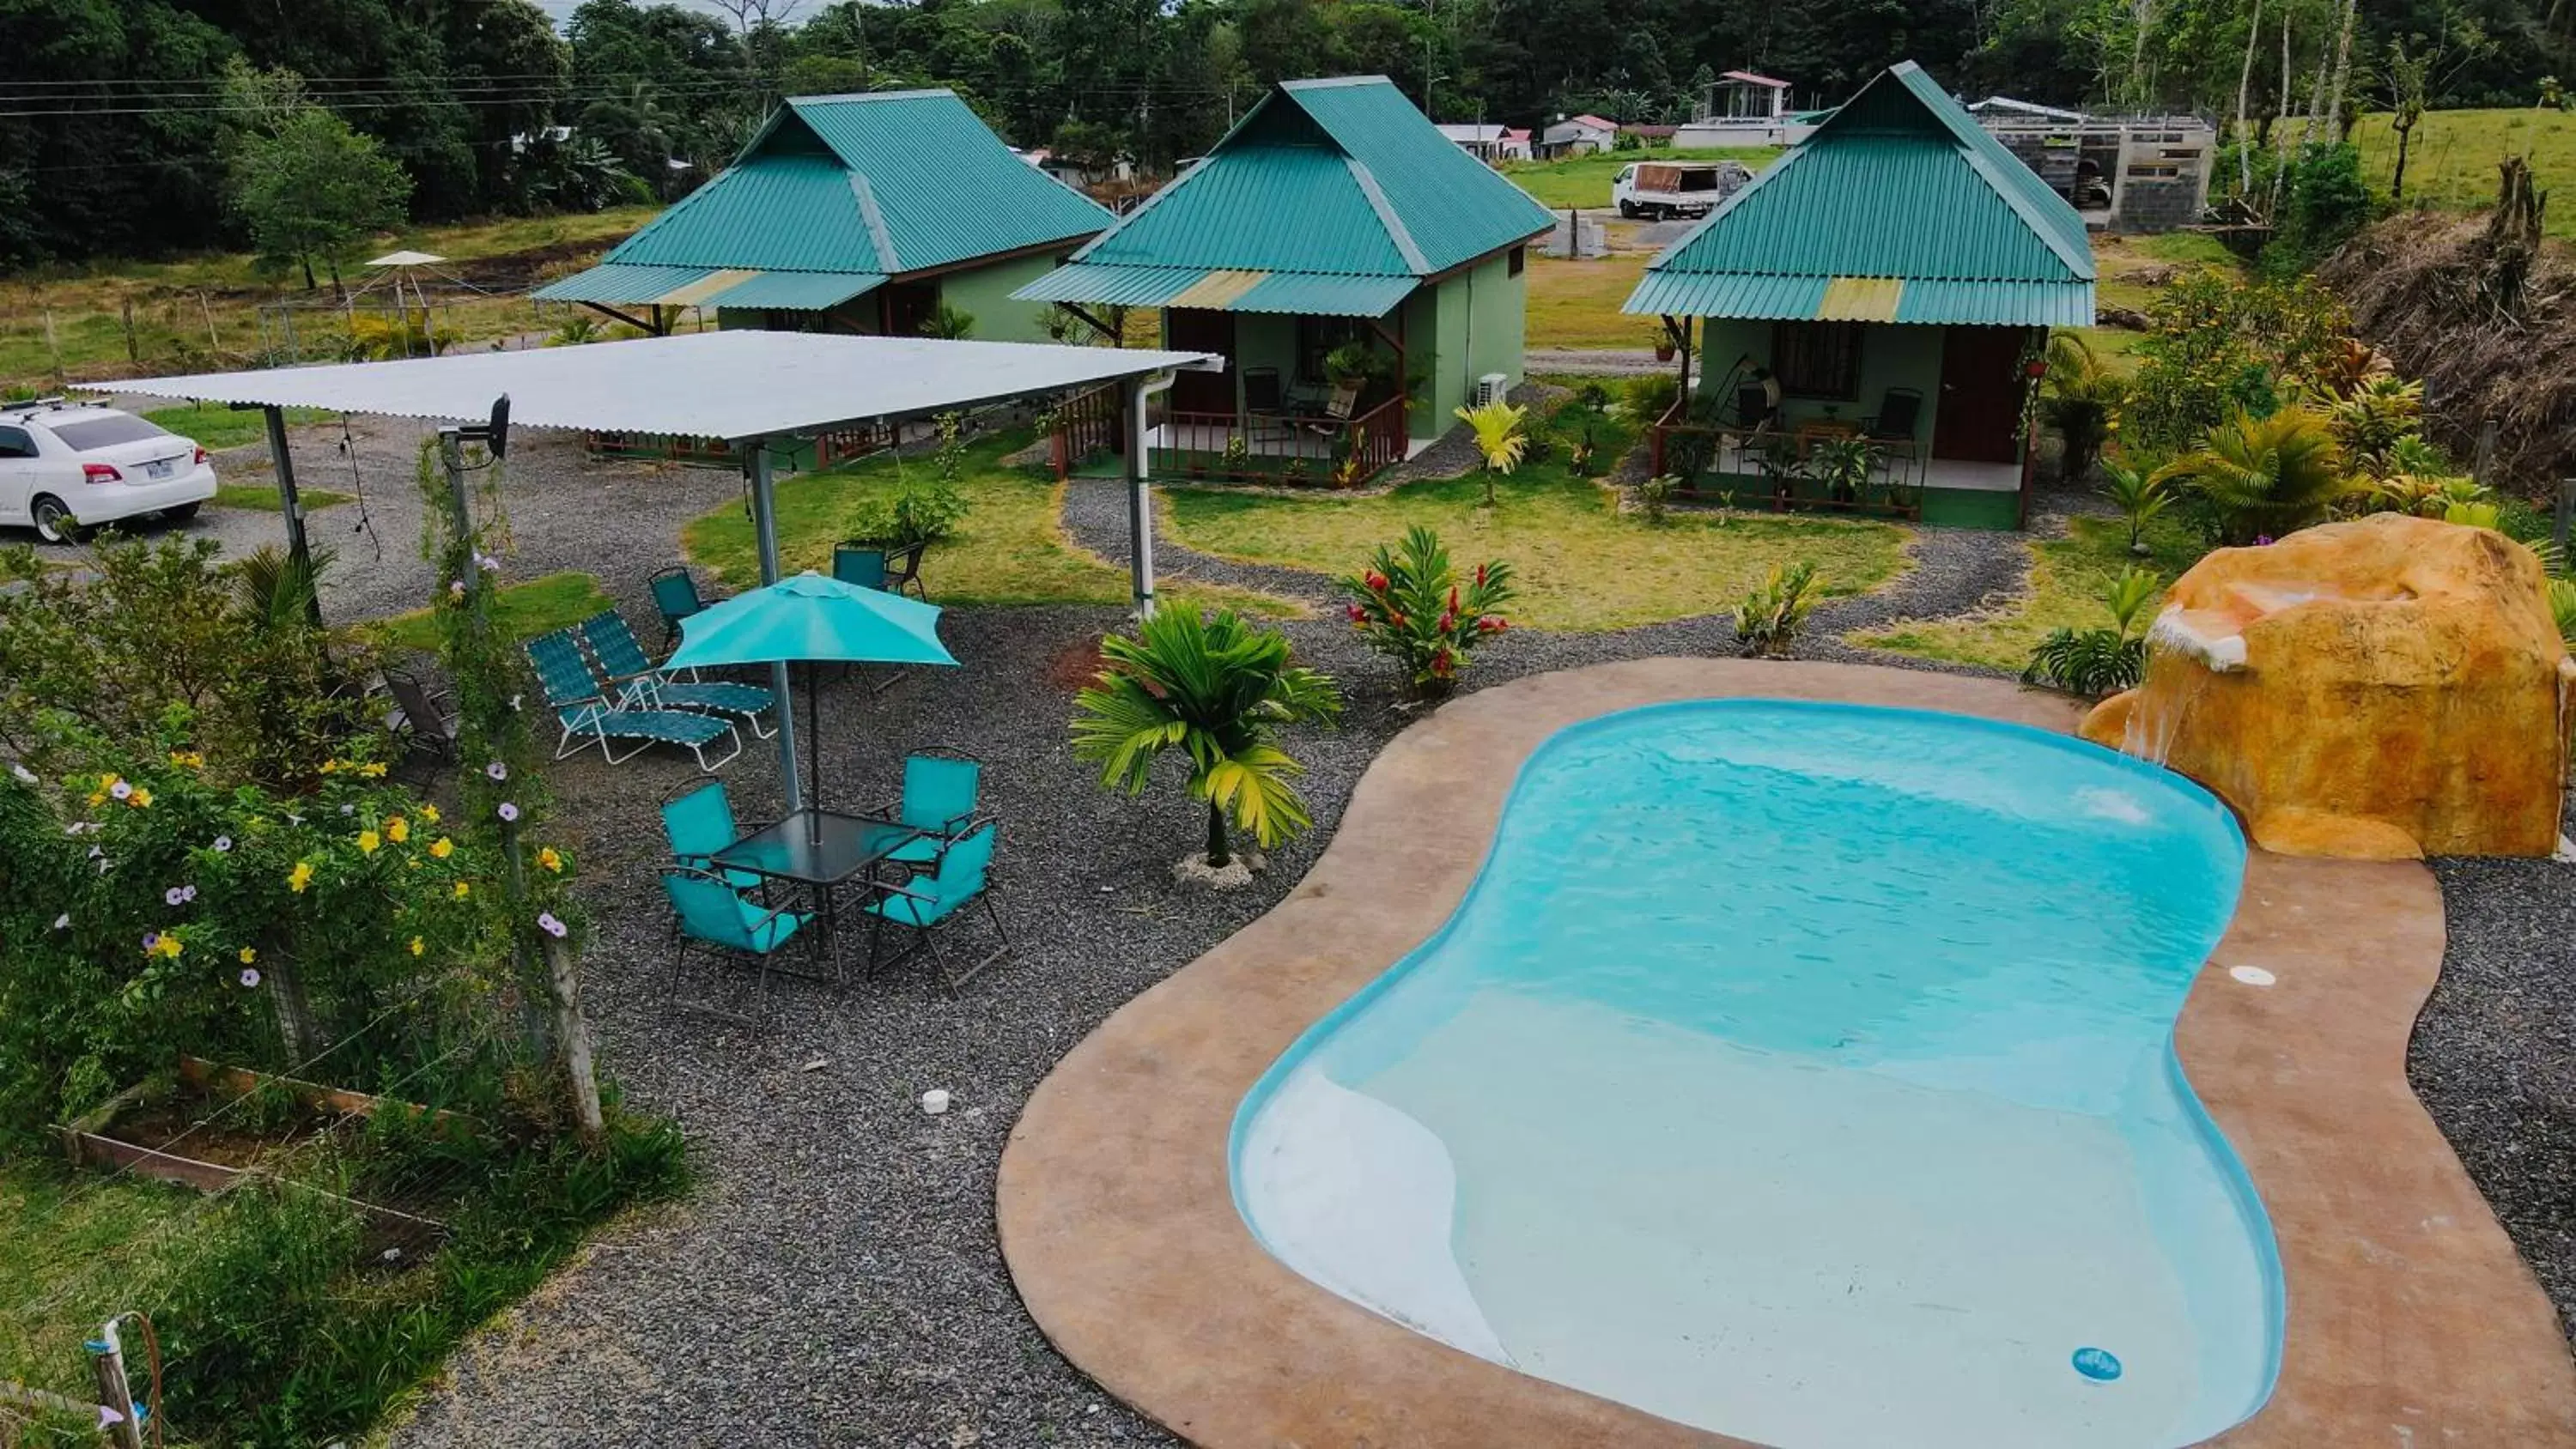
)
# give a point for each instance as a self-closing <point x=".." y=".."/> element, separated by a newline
<point x="1321" y="179"/>
<point x="1221" y="289"/>
<point x="878" y="184"/>
<point x="1899" y="208"/>
<point x="796" y="291"/>
<point x="622" y="282"/>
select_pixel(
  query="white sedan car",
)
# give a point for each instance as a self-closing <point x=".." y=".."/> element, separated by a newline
<point x="65" y="467"/>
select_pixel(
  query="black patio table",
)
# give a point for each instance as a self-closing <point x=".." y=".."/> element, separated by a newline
<point x="818" y="849"/>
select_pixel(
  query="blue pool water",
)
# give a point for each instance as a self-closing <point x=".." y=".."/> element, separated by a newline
<point x="1803" y="1072"/>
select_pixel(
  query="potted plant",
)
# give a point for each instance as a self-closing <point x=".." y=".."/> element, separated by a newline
<point x="1348" y="368"/>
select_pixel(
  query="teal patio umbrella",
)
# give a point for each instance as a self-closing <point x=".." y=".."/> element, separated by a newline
<point x="810" y="619"/>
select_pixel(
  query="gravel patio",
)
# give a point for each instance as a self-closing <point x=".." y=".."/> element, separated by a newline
<point x="835" y="1278"/>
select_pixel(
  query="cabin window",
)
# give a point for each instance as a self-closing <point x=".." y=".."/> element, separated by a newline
<point x="1519" y="259"/>
<point x="1817" y="359"/>
<point x="1317" y="336"/>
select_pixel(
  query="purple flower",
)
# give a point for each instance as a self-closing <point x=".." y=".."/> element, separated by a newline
<point x="2262" y="539"/>
<point x="547" y="923"/>
<point x="496" y="771"/>
<point x="174" y="896"/>
<point x="120" y="789"/>
<point x="152" y="940"/>
<point x="223" y="844"/>
<point x="187" y="893"/>
<point x="250" y="976"/>
<point x="490" y="564"/>
<point x="508" y="811"/>
<point x="456" y="588"/>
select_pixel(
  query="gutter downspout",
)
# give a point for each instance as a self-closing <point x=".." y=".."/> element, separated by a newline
<point x="1135" y="394"/>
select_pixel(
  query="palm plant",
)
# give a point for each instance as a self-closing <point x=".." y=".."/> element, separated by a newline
<point x="2264" y="477"/>
<point x="1768" y="620"/>
<point x="1216" y="690"/>
<point x="2371" y="420"/>
<point x="2139" y="493"/>
<point x="950" y="323"/>
<point x="2081" y="400"/>
<point x="1500" y="440"/>
<point x="2095" y="662"/>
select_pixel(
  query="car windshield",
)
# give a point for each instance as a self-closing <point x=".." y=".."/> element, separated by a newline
<point x="106" y="431"/>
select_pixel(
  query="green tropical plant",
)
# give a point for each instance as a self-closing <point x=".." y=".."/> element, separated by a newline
<point x="2263" y="477"/>
<point x="2140" y="495"/>
<point x="1842" y="465"/>
<point x="2562" y="608"/>
<point x="1216" y="690"/>
<point x="922" y="511"/>
<point x="1410" y="605"/>
<point x="2370" y="421"/>
<point x="2097" y="662"/>
<point x="2080" y="400"/>
<point x="1500" y="438"/>
<point x="951" y="323"/>
<point x="574" y="331"/>
<point x="1655" y="496"/>
<point x="1650" y="395"/>
<point x="1768" y="620"/>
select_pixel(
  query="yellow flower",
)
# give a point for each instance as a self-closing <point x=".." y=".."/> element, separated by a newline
<point x="300" y="877"/>
<point x="463" y="890"/>
<point x="549" y="859"/>
<point x="429" y="813"/>
<point x="168" y="945"/>
<point x="417" y="946"/>
<point x="367" y="842"/>
<point x="442" y="847"/>
<point x="330" y="767"/>
<point x="97" y="798"/>
<point x="140" y="799"/>
<point x="188" y="759"/>
<point x="249" y="954"/>
<point x="372" y="771"/>
<point x="397" y="830"/>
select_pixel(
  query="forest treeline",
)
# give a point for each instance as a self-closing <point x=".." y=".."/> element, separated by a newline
<point x="124" y="123"/>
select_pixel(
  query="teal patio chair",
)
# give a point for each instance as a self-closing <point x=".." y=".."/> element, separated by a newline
<point x="675" y="596"/>
<point x="589" y="717"/>
<point x="713" y="915"/>
<point x="931" y="902"/>
<point x="859" y="563"/>
<point x="698" y="819"/>
<point x="939" y="790"/>
<point x="621" y="657"/>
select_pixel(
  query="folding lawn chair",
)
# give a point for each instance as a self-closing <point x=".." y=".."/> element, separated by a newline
<point x="713" y="915"/>
<point x="623" y="659"/>
<point x="589" y="717"/>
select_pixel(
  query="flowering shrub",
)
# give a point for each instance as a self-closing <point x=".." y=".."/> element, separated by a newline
<point x="1410" y="604"/>
<point x="152" y="910"/>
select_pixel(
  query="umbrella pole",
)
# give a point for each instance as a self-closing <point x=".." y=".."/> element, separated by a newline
<point x="813" y="752"/>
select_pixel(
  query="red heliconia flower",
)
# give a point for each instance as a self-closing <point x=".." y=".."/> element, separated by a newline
<point x="1395" y="618"/>
<point x="1449" y="621"/>
<point x="1376" y="582"/>
<point x="1440" y="663"/>
<point x="1491" y="624"/>
<point x="1358" y="614"/>
<point x="1453" y="599"/>
<point x="1480" y="575"/>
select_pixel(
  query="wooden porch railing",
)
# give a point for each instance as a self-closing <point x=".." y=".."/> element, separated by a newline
<point x="1281" y="448"/>
<point x="1087" y="425"/>
<point x="1673" y="442"/>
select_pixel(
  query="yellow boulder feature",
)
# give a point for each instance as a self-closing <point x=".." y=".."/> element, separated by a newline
<point x="2380" y="689"/>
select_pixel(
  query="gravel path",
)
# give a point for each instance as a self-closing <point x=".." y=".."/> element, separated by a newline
<point x="2494" y="1053"/>
<point x="619" y="521"/>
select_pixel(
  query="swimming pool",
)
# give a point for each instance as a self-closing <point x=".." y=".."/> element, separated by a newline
<point x="1802" y="1072"/>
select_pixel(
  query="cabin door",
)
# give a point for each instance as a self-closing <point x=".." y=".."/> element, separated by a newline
<point x="1979" y="416"/>
<point x="1194" y="329"/>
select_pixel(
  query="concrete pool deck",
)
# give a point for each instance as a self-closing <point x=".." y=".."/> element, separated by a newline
<point x="2411" y="1321"/>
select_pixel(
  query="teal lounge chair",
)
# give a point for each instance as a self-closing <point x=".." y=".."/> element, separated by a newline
<point x="589" y="717"/>
<point x="714" y="915"/>
<point x="675" y="595"/>
<point x="640" y="685"/>
<point x="929" y="903"/>
<point x="939" y="789"/>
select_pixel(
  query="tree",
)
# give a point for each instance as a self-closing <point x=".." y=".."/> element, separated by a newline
<point x="1500" y="442"/>
<point x="1216" y="690"/>
<point x="2080" y="398"/>
<point x="312" y="188"/>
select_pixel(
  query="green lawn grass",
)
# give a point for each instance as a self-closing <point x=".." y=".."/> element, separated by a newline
<point x="69" y="1246"/>
<point x="1580" y="564"/>
<point x="1010" y="548"/>
<point x="2068" y="577"/>
<point x="2451" y="164"/>
<point x="263" y="498"/>
<point x="519" y="611"/>
<point x="1576" y="303"/>
<point x="214" y="426"/>
<point x="1585" y="180"/>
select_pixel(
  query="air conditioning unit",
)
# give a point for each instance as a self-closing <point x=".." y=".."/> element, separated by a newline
<point x="1491" y="388"/>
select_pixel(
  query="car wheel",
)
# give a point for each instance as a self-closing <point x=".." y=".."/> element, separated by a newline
<point x="53" y="521"/>
<point x="1628" y="209"/>
<point x="182" y="512"/>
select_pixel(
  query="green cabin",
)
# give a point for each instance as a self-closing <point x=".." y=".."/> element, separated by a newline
<point x="860" y="213"/>
<point x="1889" y="283"/>
<point x="1360" y="274"/>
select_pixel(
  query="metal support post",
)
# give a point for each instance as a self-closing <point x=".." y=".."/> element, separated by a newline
<point x="291" y="504"/>
<point x="764" y="526"/>
<point x="1132" y="394"/>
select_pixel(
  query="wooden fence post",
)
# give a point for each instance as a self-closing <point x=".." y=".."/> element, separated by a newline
<point x="2566" y="514"/>
<point x="115" y="1396"/>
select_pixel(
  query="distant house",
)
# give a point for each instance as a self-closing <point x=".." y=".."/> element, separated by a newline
<point x="862" y="213"/>
<point x="1360" y="273"/>
<point x="1895" y="276"/>
<point x="1741" y="108"/>
<point x="1489" y="143"/>
<point x="1577" y="136"/>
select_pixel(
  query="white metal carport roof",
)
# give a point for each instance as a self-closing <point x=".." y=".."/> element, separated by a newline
<point x="732" y="385"/>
